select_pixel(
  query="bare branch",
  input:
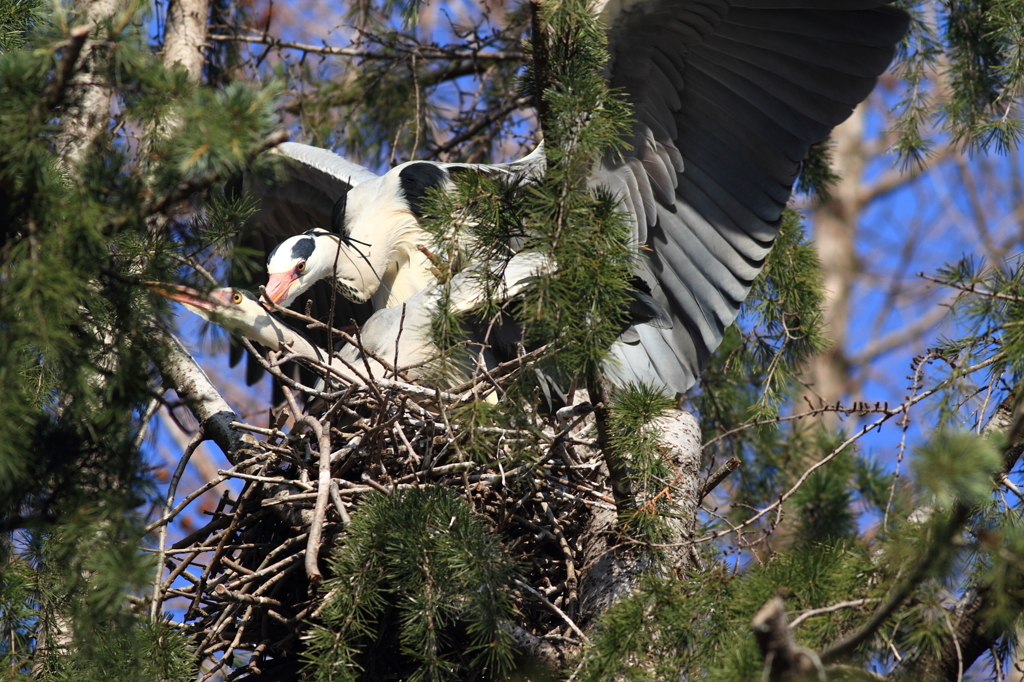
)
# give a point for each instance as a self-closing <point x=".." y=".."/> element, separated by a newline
<point x="181" y="372"/>
<point x="421" y="51"/>
<point x="903" y="335"/>
<point x="715" y="479"/>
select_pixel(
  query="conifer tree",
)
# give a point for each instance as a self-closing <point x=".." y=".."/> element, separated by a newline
<point x="458" y="540"/>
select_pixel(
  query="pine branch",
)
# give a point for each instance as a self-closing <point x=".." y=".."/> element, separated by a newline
<point x="784" y="659"/>
<point x="56" y="89"/>
<point x="541" y="75"/>
<point x="971" y="630"/>
<point x="937" y="546"/>
<point x="715" y="479"/>
<point x="486" y="121"/>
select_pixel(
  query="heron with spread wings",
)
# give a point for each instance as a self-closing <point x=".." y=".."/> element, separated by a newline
<point x="728" y="97"/>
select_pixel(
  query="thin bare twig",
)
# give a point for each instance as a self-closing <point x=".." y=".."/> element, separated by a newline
<point x="424" y="52"/>
<point x="162" y="544"/>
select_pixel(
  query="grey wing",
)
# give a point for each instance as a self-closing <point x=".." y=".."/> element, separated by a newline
<point x="300" y="198"/>
<point x="314" y="180"/>
<point x="728" y="98"/>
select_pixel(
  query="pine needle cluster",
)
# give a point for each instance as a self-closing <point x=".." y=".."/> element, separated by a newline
<point x="78" y="236"/>
<point x="976" y="47"/>
<point x="699" y="627"/>
<point x="636" y="449"/>
<point x="422" y="568"/>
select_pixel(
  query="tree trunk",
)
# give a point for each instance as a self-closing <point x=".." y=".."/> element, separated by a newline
<point x="835" y="233"/>
<point x="185" y="36"/>
<point x="87" y="100"/>
<point x="609" y="571"/>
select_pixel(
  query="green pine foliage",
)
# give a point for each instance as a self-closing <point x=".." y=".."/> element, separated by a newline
<point x="583" y="233"/>
<point x="785" y="305"/>
<point x="76" y="341"/>
<point x="984" y="40"/>
<point x="976" y="44"/>
<point x="17" y="613"/>
<point x="917" y="59"/>
<point x="824" y="503"/>
<point x="419" y="575"/>
<point x="755" y="373"/>
<point x="637" y="451"/>
<point x="816" y="174"/>
<point x="16" y="16"/>
<point x="80" y="579"/>
<point x="699" y="626"/>
<point x="419" y="586"/>
<point x="147" y="652"/>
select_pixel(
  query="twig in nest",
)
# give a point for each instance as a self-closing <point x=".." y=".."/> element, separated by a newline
<point x="162" y="544"/>
<point x="554" y="609"/>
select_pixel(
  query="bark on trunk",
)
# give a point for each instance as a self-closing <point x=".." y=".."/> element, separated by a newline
<point x="610" y="571"/>
<point x="87" y="100"/>
<point x="835" y="233"/>
<point x="185" y="36"/>
<point x="181" y="372"/>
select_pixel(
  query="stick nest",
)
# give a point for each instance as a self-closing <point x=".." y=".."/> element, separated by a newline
<point x="244" y="581"/>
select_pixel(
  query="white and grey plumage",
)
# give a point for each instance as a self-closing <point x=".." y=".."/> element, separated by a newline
<point x="239" y="312"/>
<point x="399" y="335"/>
<point x="728" y="96"/>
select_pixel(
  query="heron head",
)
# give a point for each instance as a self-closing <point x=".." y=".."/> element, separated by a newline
<point x="292" y="268"/>
<point x="300" y="261"/>
<point x="233" y="309"/>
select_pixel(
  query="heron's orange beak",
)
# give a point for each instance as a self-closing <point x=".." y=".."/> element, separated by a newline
<point x="279" y="284"/>
<point x="182" y="294"/>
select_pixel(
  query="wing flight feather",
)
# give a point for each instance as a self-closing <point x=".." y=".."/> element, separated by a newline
<point x="728" y="97"/>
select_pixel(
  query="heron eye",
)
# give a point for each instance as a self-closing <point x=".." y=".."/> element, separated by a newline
<point x="236" y="298"/>
<point x="300" y="267"/>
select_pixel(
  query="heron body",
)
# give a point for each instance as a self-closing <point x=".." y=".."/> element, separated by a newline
<point x="728" y="97"/>
<point x="379" y="215"/>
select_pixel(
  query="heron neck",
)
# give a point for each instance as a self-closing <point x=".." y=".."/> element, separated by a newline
<point x="395" y="268"/>
<point x="276" y="335"/>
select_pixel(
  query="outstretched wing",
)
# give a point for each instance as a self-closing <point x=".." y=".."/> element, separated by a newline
<point x="728" y="97"/>
<point x="314" y="180"/>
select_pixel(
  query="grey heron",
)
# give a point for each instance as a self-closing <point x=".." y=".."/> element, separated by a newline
<point x="728" y="97"/>
<point x="393" y="339"/>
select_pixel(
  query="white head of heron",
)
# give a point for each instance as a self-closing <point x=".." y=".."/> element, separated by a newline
<point x="381" y="241"/>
